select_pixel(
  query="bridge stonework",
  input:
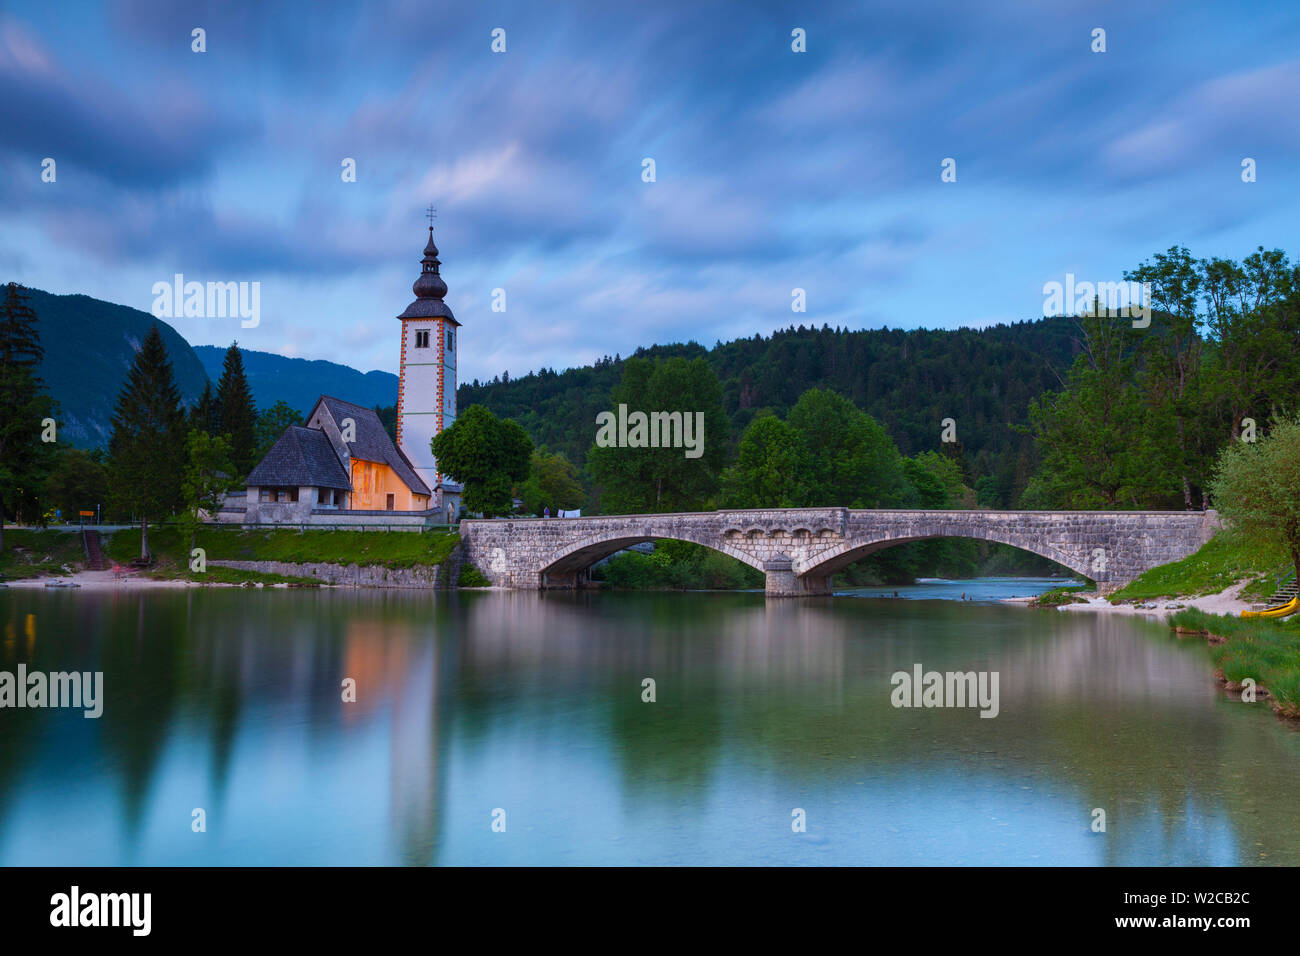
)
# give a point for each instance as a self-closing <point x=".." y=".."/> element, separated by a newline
<point x="799" y="549"/>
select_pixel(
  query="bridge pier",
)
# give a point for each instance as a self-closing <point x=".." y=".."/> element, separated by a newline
<point x="564" y="580"/>
<point x="781" y="581"/>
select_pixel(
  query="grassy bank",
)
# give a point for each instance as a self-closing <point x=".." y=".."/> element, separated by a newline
<point x="1220" y="563"/>
<point x="388" y="549"/>
<point x="391" y="549"/>
<point x="29" y="553"/>
<point x="1266" y="651"/>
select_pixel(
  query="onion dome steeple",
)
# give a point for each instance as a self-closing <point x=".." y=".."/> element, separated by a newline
<point x="429" y="288"/>
<point x="430" y="284"/>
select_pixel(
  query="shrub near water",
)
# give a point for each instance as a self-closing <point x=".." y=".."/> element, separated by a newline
<point x="472" y="577"/>
<point x="1058" y="596"/>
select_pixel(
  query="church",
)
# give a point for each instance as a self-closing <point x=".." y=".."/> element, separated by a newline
<point x="341" y="468"/>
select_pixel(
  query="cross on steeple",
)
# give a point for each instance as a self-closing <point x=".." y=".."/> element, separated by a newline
<point x="432" y="214"/>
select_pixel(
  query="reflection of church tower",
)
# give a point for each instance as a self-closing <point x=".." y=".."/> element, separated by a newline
<point x="426" y="386"/>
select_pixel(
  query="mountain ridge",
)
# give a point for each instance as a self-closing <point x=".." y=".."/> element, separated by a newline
<point x="300" y="381"/>
<point x="90" y="344"/>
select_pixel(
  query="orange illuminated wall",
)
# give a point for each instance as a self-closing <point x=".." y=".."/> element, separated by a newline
<point x="373" y="482"/>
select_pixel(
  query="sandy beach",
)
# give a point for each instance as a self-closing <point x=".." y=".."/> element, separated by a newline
<point x="108" y="581"/>
<point x="1225" y="602"/>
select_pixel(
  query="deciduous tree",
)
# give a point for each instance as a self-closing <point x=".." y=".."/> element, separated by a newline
<point x="208" y="468"/>
<point x="770" y="469"/>
<point x="552" y="482"/>
<point x="487" y="455"/>
<point x="78" y="482"/>
<point x="661" y="479"/>
<point x="1256" y="487"/>
<point x="271" y="425"/>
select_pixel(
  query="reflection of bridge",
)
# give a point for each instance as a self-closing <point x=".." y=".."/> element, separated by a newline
<point x="798" y="549"/>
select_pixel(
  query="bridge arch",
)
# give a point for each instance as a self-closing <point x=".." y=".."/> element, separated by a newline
<point x="561" y="567"/>
<point x="824" y="564"/>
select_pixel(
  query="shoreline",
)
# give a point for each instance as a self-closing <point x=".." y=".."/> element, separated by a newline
<point x="107" y="581"/>
<point x="1224" y="602"/>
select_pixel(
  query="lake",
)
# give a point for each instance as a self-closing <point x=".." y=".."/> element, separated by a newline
<point x="525" y="710"/>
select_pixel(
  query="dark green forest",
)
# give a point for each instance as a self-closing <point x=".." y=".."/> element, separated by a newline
<point x="1092" y="410"/>
<point x="908" y="381"/>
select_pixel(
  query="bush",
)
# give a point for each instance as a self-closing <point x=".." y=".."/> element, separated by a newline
<point x="1058" y="596"/>
<point x="471" y="577"/>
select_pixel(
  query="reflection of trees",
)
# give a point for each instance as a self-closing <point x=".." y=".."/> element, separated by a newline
<point x="1094" y="713"/>
<point x="287" y="658"/>
<point x="144" y="646"/>
<point x="1123" y="721"/>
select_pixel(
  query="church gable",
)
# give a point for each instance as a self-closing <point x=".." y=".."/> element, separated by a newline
<point x="370" y="441"/>
<point x="321" y="418"/>
<point x="303" y="457"/>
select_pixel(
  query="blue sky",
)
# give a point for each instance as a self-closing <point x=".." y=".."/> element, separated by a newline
<point x="775" y="169"/>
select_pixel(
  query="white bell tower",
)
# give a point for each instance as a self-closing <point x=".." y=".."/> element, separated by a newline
<point x="426" y="385"/>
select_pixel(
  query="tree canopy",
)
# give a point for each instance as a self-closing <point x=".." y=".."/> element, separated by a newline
<point x="1256" y="487"/>
<point x="487" y="455"/>
<point x="644" y="479"/>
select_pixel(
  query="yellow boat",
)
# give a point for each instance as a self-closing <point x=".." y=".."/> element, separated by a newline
<point x="1282" y="610"/>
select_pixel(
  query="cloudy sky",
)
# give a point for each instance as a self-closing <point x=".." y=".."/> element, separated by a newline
<point x="775" y="169"/>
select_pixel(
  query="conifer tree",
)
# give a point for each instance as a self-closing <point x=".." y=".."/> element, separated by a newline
<point x="147" y="447"/>
<point x="24" y="457"/>
<point x="236" y="413"/>
<point x="203" y="416"/>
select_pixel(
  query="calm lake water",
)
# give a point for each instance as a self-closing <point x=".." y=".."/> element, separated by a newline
<point x="229" y="700"/>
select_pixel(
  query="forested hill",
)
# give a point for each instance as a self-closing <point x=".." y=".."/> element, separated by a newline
<point x="89" y="347"/>
<point x="909" y="381"/>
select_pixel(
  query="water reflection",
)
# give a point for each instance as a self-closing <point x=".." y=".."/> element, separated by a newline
<point x="232" y="701"/>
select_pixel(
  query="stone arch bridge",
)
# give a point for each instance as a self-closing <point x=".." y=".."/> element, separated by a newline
<point x="798" y="549"/>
